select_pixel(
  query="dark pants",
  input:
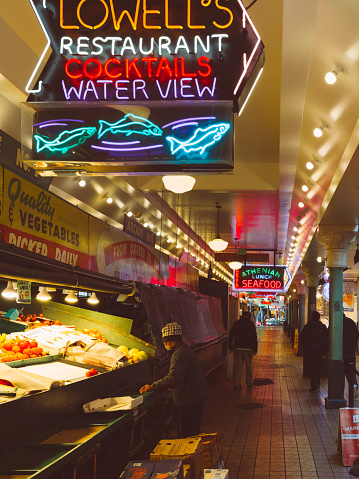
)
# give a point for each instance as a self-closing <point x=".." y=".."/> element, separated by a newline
<point x="313" y="362"/>
<point x="190" y="420"/>
<point x="347" y="369"/>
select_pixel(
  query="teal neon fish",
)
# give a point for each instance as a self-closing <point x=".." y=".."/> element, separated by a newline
<point x="201" y="139"/>
<point x="65" y="141"/>
<point x="130" y="124"/>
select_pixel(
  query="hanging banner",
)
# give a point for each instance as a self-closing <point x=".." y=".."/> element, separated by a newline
<point x="348" y="296"/>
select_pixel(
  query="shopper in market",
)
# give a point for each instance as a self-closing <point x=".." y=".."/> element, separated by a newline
<point x="186" y="380"/>
<point x="243" y="342"/>
<point x="350" y="341"/>
<point x="314" y="339"/>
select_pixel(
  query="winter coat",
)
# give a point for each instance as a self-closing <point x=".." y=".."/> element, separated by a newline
<point x="243" y="335"/>
<point x="314" y="338"/>
<point x="350" y="336"/>
<point x="185" y="378"/>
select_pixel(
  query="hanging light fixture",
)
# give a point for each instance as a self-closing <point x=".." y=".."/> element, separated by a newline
<point x="71" y="297"/>
<point x="178" y="183"/>
<point x="331" y="77"/>
<point x="218" y="244"/>
<point x="235" y="264"/>
<point x="122" y="297"/>
<point x="43" y="294"/>
<point x="93" y="299"/>
<point x="9" y="292"/>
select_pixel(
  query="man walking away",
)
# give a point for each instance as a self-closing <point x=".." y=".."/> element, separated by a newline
<point x="314" y="339"/>
<point x="350" y="339"/>
<point x="243" y="342"/>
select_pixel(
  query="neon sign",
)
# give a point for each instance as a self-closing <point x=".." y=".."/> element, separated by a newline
<point x="169" y="138"/>
<point x="261" y="278"/>
<point x="131" y="50"/>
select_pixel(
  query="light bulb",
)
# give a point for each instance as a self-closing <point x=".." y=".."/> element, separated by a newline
<point x="129" y="214"/>
<point x="305" y="188"/>
<point x="301" y="204"/>
<point x="71" y="297"/>
<point x="9" y="292"/>
<point x="318" y="132"/>
<point x="319" y="259"/>
<point x="82" y="183"/>
<point x="93" y="299"/>
<point x="43" y="295"/>
<point x="330" y="78"/>
<point x="309" y="165"/>
<point x="109" y="200"/>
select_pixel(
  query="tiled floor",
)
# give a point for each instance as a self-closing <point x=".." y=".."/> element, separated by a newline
<point x="290" y="435"/>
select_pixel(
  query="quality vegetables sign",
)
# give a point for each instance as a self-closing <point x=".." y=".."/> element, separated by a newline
<point x="139" y="50"/>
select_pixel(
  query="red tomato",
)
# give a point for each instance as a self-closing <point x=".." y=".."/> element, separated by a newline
<point x="89" y="374"/>
<point x="7" y="346"/>
<point x="33" y="344"/>
<point x="94" y="371"/>
<point x="16" y="349"/>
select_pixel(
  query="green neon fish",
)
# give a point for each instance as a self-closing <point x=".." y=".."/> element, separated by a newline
<point x="201" y="139"/>
<point x="65" y="141"/>
<point x="130" y="124"/>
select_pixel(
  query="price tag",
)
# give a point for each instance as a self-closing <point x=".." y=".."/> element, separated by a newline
<point x="23" y="292"/>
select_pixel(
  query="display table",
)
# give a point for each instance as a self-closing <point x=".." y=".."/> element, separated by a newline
<point x="89" y="445"/>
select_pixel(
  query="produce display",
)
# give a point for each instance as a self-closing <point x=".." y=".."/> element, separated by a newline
<point x="44" y="336"/>
<point x="37" y="320"/>
<point x="15" y="349"/>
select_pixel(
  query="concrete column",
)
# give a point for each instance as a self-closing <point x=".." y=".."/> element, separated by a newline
<point x="336" y="240"/>
<point x="301" y="318"/>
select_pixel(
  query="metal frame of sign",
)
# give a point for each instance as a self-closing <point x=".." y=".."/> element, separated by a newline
<point x="134" y="139"/>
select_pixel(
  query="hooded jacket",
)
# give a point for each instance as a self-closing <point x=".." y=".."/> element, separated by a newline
<point x="350" y="336"/>
<point x="185" y="378"/>
<point x="314" y="338"/>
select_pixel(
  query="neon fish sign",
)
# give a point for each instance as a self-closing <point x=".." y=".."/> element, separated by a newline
<point x="179" y="49"/>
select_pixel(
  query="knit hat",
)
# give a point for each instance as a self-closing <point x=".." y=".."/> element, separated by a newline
<point x="171" y="332"/>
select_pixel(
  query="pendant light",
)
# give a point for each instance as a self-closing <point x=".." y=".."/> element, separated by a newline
<point x="71" y="297"/>
<point x="9" y="292"/>
<point x="218" y="244"/>
<point x="178" y="183"/>
<point x="43" y="294"/>
<point x="93" y="299"/>
<point x="235" y="264"/>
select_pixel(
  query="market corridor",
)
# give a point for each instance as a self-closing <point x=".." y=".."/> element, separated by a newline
<point x="275" y="431"/>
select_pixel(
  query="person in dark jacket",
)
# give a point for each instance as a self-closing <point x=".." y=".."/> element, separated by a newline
<point x="243" y="342"/>
<point x="186" y="380"/>
<point x="350" y="339"/>
<point x="314" y="339"/>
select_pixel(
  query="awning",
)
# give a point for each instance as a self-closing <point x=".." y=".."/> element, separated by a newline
<point x="17" y="263"/>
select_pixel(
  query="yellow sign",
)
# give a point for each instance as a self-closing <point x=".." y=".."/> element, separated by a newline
<point x="296" y="337"/>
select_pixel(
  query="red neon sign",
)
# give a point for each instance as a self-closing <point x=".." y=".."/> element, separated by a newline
<point x="135" y="68"/>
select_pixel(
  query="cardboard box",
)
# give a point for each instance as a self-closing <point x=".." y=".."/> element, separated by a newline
<point x="211" y="450"/>
<point x="216" y="473"/>
<point x="113" y="404"/>
<point x="138" y="470"/>
<point x="188" y="449"/>
<point x="172" y="468"/>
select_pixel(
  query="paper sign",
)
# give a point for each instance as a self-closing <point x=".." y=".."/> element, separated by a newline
<point x="348" y="435"/>
<point x="23" y="292"/>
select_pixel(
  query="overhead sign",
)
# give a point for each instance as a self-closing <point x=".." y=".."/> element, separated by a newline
<point x="133" y="228"/>
<point x="136" y="50"/>
<point x="261" y="278"/>
<point x="166" y="139"/>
